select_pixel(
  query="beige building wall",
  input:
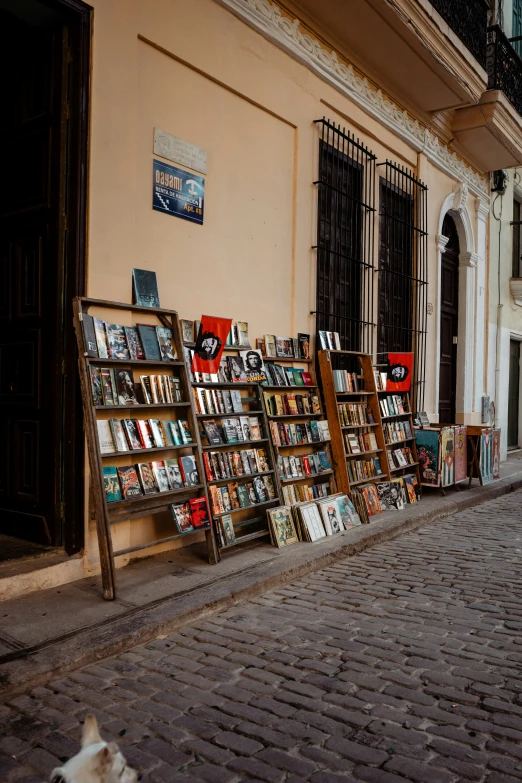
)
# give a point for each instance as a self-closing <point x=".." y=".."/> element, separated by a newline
<point x="198" y="72"/>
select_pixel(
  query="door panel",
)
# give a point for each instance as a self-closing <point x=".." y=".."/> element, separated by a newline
<point x="449" y="300"/>
<point x="513" y="393"/>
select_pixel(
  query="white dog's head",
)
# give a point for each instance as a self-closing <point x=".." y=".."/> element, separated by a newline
<point x="97" y="762"/>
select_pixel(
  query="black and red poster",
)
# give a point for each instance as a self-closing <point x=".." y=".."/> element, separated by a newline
<point x="399" y="374"/>
<point x="210" y="343"/>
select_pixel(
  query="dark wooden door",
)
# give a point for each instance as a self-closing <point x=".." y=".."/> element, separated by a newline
<point x="514" y="393"/>
<point x="449" y="323"/>
<point x="40" y="272"/>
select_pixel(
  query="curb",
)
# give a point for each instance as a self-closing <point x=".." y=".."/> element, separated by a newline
<point x="36" y="665"/>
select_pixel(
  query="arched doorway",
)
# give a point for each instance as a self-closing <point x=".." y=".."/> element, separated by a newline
<point x="449" y="320"/>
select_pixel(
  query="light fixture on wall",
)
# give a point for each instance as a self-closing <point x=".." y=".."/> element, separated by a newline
<point x="499" y="180"/>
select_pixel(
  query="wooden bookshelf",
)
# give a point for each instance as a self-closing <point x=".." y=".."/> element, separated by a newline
<point x="292" y="450"/>
<point x="107" y="514"/>
<point x="407" y="416"/>
<point x="250" y="521"/>
<point x="367" y="396"/>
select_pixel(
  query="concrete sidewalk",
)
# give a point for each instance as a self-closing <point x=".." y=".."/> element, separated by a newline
<point x="54" y="631"/>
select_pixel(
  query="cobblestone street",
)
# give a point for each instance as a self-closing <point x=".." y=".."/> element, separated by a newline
<point x="402" y="663"/>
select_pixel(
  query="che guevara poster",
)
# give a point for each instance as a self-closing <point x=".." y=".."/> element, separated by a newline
<point x="399" y="373"/>
<point x="210" y="343"/>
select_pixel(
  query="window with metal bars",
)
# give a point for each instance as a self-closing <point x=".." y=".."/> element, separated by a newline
<point x="345" y="238"/>
<point x="403" y="280"/>
<point x="517" y="239"/>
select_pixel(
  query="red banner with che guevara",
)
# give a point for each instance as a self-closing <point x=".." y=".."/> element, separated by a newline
<point x="399" y="374"/>
<point x="210" y="343"/>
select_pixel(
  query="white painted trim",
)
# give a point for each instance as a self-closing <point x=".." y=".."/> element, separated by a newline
<point x="266" y="18"/>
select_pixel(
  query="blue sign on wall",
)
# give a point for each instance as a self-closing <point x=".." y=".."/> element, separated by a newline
<point x="178" y="192"/>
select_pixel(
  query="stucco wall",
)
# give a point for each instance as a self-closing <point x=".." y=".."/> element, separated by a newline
<point x="220" y="85"/>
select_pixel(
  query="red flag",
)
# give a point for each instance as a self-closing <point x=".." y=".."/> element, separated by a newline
<point x="210" y="343"/>
<point x="400" y="367"/>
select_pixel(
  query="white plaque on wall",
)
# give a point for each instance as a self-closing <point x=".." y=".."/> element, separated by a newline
<point x="168" y="146"/>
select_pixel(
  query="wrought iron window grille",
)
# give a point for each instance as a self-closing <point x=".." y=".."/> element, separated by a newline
<point x="345" y="238"/>
<point x="403" y="270"/>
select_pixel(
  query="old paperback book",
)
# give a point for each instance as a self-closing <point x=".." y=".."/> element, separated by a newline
<point x="89" y="336"/>
<point x="149" y="341"/>
<point x="117" y="342"/>
<point x="199" y="512"/>
<point x="105" y="437"/>
<point x="145" y="288"/>
<point x="148" y="482"/>
<point x="165" y="337"/>
<point x="111" y="484"/>
<point x="125" y="388"/>
<point x="101" y="338"/>
<point x="118" y="435"/>
<point x="181" y="516"/>
<point x="130" y="485"/>
<point x="160" y="474"/>
<point x="96" y="386"/>
<point x="134" y="343"/>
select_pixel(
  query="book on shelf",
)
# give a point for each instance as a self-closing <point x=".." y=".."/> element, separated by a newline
<point x="199" y="515"/>
<point x="145" y="288"/>
<point x="96" y="385"/>
<point x="89" y="336"/>
<point x="160" y="474"/>
<point x="126" y="393"/>
<point x="212" y="432"/>
<point x="226" y="528"/>
<point x="165" y="337"/>
<point x="371" y="499"/>
<point x="253" y="365"/>
<point x="392" y="495"/>
<point x="186" y="435"/>
<point x="105" y="438"/>
<point x="117" y="342"/>
<point x="284" y="347"/>
<point x="130" y="427"/>
<point x="108" y="392"/>
<point x="134" y="343"/>
<point x="242" y="333"/>
<point x="174" y="474"/>
<point x="187" y="331"/>
<point x="412" y="488"/>
<point x="304" y="345"/>
<point x="281" y="523"/>
<point x="118" y="435"/>
<point x="270" y="346"/>
<point x="149" y="341"/>
<point x="345" y="381"/>
<point x="145" y="433"/>
<point x="129" y="482"/>
<point x="111" y="484"/>
<point x="236" y="368"/>
<point x="189" y="471"/>
<point x="181" y="516"/>
<point x="176" y="433"/>
<point x="157" y="433"/>
<point x="147" y="479"/>
<point x="101" y="338"/>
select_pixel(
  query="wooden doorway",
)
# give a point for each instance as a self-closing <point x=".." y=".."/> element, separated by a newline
<point x="449" y="323"/>
<point x="43" y="147"/>
<point x="513" y="394"/>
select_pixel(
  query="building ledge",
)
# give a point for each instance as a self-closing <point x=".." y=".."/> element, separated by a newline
<point x="490" y="133"/>
<point x="515" y="286"/>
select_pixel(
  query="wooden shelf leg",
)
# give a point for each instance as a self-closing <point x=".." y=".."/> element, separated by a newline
<point x="214" y="555"/>
<point x="105" y="549"/>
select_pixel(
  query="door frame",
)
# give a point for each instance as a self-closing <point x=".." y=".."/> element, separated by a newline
<point x="515" y="337"/>
<point x="70" y="475"/>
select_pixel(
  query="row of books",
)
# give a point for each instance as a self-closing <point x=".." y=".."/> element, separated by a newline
<point x="236" y="495"/>
<point x="345" y="381"/>
<point x="294" y="434"/>
<point x="274" y="347"/>
<point x="111" y="386"/>
<point x="286" y="376"/>
<point x="355" y="413"/>
<point x="190" y="516"/>
<point x="240" y="429"/>
<point x="391" y="495"/>
<point x="311" y="521"/>
<point x="112" y="341"/>
<point x="380" y="380"/>
<point x="214" y="401"/>
<point x="128" y="434"/>
<point x="232" y="464"/>
<point x="395" y="431"/>
<point x="148" y="478"/>
<point x="290" y="404"/>
<point x="360" y="469"/>
<point x="393" y="405"/>
<point x="329" y="341"/>
<point x="400" y="458"/>
<point x="309" y="465"/>
<point x="297" y="493"/>
<point x="360" y="443"/>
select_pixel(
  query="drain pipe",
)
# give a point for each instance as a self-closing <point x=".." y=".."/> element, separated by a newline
<point x="500" y="195"/>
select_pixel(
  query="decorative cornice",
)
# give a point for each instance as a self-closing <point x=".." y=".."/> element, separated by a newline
<point x="482" y="208"/>
<point x="468" y="259"/>
<point x="441" y="241"/>
<point x="266" y="18"/>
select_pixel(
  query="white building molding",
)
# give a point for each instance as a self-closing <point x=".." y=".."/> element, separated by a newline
<point x="266" y="18"/>
<point x="456" y="205"/>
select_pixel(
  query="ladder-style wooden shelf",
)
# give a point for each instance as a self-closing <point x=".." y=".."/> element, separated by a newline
<point x="107" y="514"/>
<point x="409" y="442"/>
<point x="366" y="396"/>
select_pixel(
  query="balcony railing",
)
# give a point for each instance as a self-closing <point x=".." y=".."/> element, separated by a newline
<point x="469" y="20"/>
<point x="504" y="67"/>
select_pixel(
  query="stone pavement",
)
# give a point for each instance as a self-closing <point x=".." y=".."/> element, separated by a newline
<point x="400" y="663"/>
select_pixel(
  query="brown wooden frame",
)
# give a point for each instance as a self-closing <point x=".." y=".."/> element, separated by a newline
<point x="369" y="397"/>
<point x="298" y="449"/>
<point x="260" y="523"/>
<point x="408" y="415"/>
<point x="108" y="514"/>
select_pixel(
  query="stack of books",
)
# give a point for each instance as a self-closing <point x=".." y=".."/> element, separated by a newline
<point x="148" y="478"/>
